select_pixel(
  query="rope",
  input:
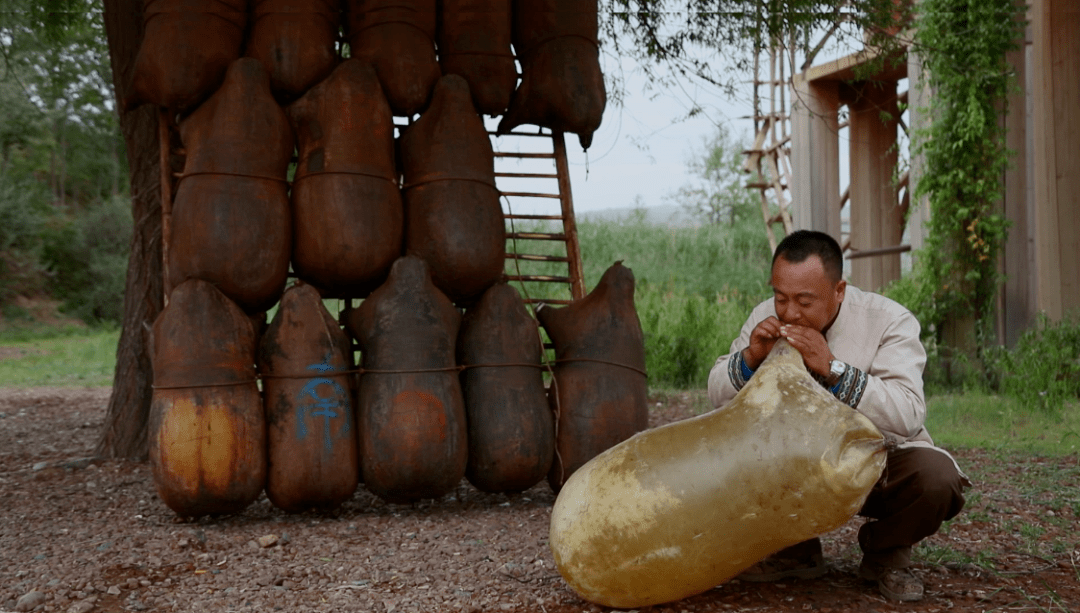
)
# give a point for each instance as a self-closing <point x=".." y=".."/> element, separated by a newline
<point x="626" y="366"/>
<point x="510" y="364"/>
<point x="330" y="17"/>
<point x="394" y="371"/>
<point x="365" y="371"/>
<point x="481" y="53"/>
<point x="192" y="386"/>
<point x="357" y="33"/>
<point x="528" y="53"/>
<point x="309" y="375"/>
<point x="409" y="186"/>
<point x="231" y="174"/>
<point x="220" y="14"/>
<point x="299" y="176"/>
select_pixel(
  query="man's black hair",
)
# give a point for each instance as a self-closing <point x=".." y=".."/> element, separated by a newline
<point x="801" y="244"/>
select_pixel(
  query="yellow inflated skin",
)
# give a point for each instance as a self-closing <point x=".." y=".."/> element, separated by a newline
<point x="676" y="510"/>
<point x="208" y="448"/>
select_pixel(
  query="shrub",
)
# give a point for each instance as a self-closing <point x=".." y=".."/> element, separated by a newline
<point x="87" y="259"/>
<point x="684" y="334"/>
<point x="1043" y="369"/>
<point x="22" y="213"/>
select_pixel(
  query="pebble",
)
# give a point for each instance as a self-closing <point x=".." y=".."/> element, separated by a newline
<point x="28" y="601"/>
<point x="41" y="466"/>
<point x="79" y="463"/>
<point x="84" y="606"/>
<point x="268" y="541"/>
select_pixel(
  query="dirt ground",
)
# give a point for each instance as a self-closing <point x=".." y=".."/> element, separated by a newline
<point x="80" y="534"/>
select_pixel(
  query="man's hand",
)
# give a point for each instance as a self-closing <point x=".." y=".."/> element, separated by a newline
<point x="762" y="339"/>
<point x="811" y="344"/>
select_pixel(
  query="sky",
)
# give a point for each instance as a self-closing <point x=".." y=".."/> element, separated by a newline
<point x="640" y="153"/>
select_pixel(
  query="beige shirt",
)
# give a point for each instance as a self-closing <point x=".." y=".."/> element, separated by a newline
<point x="879" y="337"/>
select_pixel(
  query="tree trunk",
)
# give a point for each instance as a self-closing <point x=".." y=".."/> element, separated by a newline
<point x="61" y="162"/>
<point x="125" y="433"/>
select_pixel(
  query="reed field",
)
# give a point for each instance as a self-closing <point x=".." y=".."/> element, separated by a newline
<point x="694" y="288"/>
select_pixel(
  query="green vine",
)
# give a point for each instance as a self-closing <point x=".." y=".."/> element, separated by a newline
<point x="963" y="45"/>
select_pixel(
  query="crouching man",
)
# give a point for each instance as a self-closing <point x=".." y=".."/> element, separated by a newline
<point x="865" y="349"/>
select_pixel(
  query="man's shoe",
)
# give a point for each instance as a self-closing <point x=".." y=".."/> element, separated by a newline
<point x="894" y="583"/>
<point x="775" y="569"/>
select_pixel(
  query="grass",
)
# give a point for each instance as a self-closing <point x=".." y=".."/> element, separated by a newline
<point x="993" y="422"/>
<point x="704" y="261"/>
<point x="67" y="357"/>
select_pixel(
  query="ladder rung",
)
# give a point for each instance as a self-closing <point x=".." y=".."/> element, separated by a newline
<point x="509" y="154"/>
<point x="527" y="175"/>
<point x="544" y="278"/>
<point x="536" y="236"/>
<point x="530" y="195"/>
<point x="537" y="258"/>
<point x="548" y="217"/>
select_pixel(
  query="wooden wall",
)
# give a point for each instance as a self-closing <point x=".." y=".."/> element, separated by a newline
<point x="815" y="156"/>
<point x="1016" y="301"/>
<point x="1041" y="258"/>
<point x="1055" y="26"/>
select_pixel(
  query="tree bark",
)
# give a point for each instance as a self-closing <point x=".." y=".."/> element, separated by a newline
<point x="124" y="435"/>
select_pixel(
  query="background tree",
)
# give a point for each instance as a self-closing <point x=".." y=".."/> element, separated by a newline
<point x="717" y="40"/>
<point x="717" y="195"/>
<point x="64" y="178"/>
<point x="125" y="433"/>
<point x="61" y="160"/>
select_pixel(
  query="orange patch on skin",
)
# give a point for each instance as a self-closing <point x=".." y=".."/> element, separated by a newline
<point x="420" y="416"/>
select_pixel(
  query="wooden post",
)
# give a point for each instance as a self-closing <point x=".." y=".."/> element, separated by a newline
<point x="1016" y="306"/>
<point x="1056" y="120"/>
<point x="919" y="119"/>
<point x="815" y="152"/>
<point x="165" y="142"/>
<point x="876" y="218"/>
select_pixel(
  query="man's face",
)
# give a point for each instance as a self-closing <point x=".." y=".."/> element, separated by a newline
<point x="804" y="293"/>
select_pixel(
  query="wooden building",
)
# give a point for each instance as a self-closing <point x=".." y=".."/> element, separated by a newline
<point x="1041" y="188"/>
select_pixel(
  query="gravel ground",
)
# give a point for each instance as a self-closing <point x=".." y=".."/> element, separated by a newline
<point x="79" y="534"/>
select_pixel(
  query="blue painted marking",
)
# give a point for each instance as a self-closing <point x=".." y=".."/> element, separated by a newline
<point x="327" y="407"/>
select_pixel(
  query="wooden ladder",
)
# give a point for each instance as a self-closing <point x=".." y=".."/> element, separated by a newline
<point x="532" y="173"/>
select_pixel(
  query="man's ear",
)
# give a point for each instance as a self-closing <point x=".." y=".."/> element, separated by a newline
<point x="841" y="289"/>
